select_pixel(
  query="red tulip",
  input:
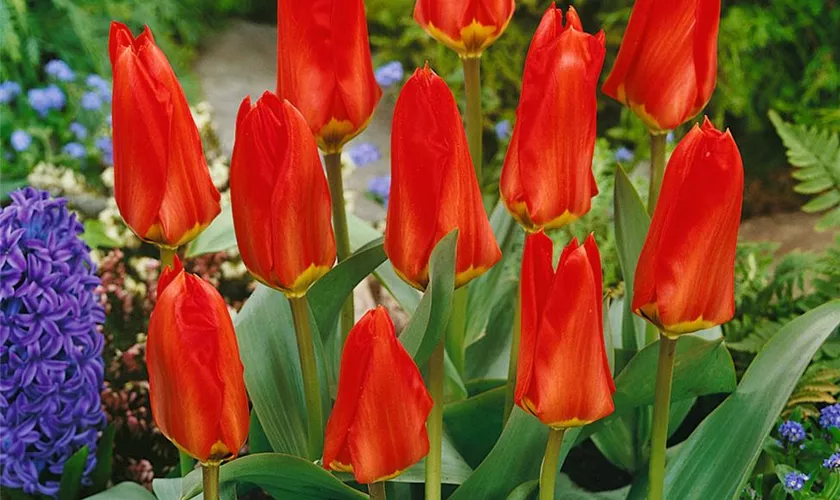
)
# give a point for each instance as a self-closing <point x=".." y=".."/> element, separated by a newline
<point x="324" y="67"/>
<point x="280" y="197"/>
<point x="563" y="377"/>
<point x="377" y="428"/>
<point x="667" y="64"/>
<point x="547" y="179"/>
<point x="161" y="181"/>
<point x="433" y="186"/>
<point x="685" y="276"/>
<point x="466" y="26"/>
<point x="195" y="375"/>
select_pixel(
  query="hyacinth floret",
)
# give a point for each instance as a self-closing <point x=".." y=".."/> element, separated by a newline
<point x="51" y="367"/>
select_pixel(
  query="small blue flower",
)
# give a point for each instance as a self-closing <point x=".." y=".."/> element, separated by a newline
<point x="670" y="137"/>
<point x="106" y="147"/>
<point x="56" y="96"/>
<point x="792" y="431"/>
<point x="830" y="416"/>
<point x="364" y="153"/>
<point x="78" y="130"/>
<point x="380" y="187"/>
<point x="8" y="91"/>
<point x="91" y="101"/>
<point x="20" y="140"/>
<point x="795" y="481"/>
<point x="389" y="74"/>
<point x="832" y="462"/>
<point x="503" y="129"/>
<point x="623" y="154"/>
<point x="59" y="70"/>
<point x="100" y="86"/>
<point x="74" y="150"/>
<point x="39" y="100"/>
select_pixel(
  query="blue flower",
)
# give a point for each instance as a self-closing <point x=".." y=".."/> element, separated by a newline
<point x="74" y="150"/>
<point x="106" y="147"/>
<point x="389" y="74"/>
<point x="8" y="91"/>
<point x="100" y="86"/>
<point x="670" y="137"/>
<point x="832" y="462"/>
<point x="39" y="100"/>
<point x="50" y="347"/>
<point x="364" y="153"/>
<point x="792" y="431"/>
<point x="56" y="96"/>
<point x="623" y="154"/>
<point x="380" y="187"/>
<point x="78" y="130"/>
<point x="830" y="416"/>
<point x="21" y="140"/>
<point x="503" y="129"/>
<point x="91" y="101"/>
<point x="59" y="70"/>
<point x="795" y="481"/>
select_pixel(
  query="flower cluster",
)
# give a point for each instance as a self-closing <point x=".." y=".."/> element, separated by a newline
<point x="792" y="431"/>
<point x="832" y="462"/>
<point x="795" y="481"/>
<point x="830" y="416"/>
<point x="50" y="347"/>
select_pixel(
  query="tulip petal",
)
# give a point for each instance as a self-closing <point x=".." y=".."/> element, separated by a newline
<point x="466" y="26"/>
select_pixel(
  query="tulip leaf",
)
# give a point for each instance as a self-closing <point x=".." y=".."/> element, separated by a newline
<point x="104" y="452"/>
<point x="217" y="237"/>
<point x="126" y="490"/>
<point x="631" y="227"/>
<point x="430" y="319"/>
<point x="497" y="283"/>
<point x="71" y="476"/>
<point x="174" y="488"/>
<point x="281" y="476"/>
<point x="716" y="460"/>
<point x="475" y="423"/>
<point x="268" y="348"/>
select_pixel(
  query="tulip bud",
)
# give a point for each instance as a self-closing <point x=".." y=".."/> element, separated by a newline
<point x="161" y="181"/>
<point x="563" y="376"/>
<point x="324" y="67"/>
<point x="547" y="179"/>
<point x="195" y="375"/>
<point x="465" y="26"/>
<point x="685" y="278"/>
<point x="377" y="428"/>
<point x="433" y="186"/>
<point x="666" y="67"/>
<point x="280" y="197"/>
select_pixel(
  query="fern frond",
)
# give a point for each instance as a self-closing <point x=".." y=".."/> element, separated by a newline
<point x="816" y="154"/>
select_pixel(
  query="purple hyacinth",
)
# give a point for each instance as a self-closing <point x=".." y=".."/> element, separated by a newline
<point x="51" y="367"/>
<point x="792" y="431"/>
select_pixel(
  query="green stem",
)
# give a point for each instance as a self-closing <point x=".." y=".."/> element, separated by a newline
<point x="376" y="491"/>
<point x="657" y="168"/>
<point x="342" y="234"/>
<point x="309" y="370"/>
<point x="187" y="463"/>
<point x="210" y="477"/>
<point x="472" y="81"/>
<point x="435" y="423"/>
<point x="457" y="329"/>
<point x="167" y="257"/>
<point x="661" y="407"/>
<point x="548" y="471"/>
<point x="514" y="356"/>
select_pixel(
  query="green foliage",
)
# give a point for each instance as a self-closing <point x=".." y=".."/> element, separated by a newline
<point x="816" y="154"/>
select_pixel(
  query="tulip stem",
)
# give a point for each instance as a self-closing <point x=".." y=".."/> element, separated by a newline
<point x="434" y="425"/>
<point x="661" y="407"/>
<point x="309" y="371"/>
<point x="376" y="490"/>
<point x="342" y="234"/>
<point x="514" y="356"/>
<point x="657" y="168"/>
<point x="210" y="477"/>
<point x="548" y="471"/>
<point x="472" y="82"/>
<point x="167" y="257"/>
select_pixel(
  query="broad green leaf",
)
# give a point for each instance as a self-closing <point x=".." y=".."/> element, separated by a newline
<point x="124" y="491"/>
<point x="631" y="227"/>
<point x="257" y="440"/>
<point x="216" y="237"/>
<point x="429" y="320"/>
<point x="283" y="476"/>
<point x="489" y="357"/>
<point x="525" y="491"/>
<point x="475" y="423"/>
<point x="95" y="237"/>
<point x="104" y="459"/>
<point x="7" y="186"/>
<point x="491" y="287"/>
<point x="71" y="476"/>
<point x="715" y="461"/>
<point x="174" y="488"/>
